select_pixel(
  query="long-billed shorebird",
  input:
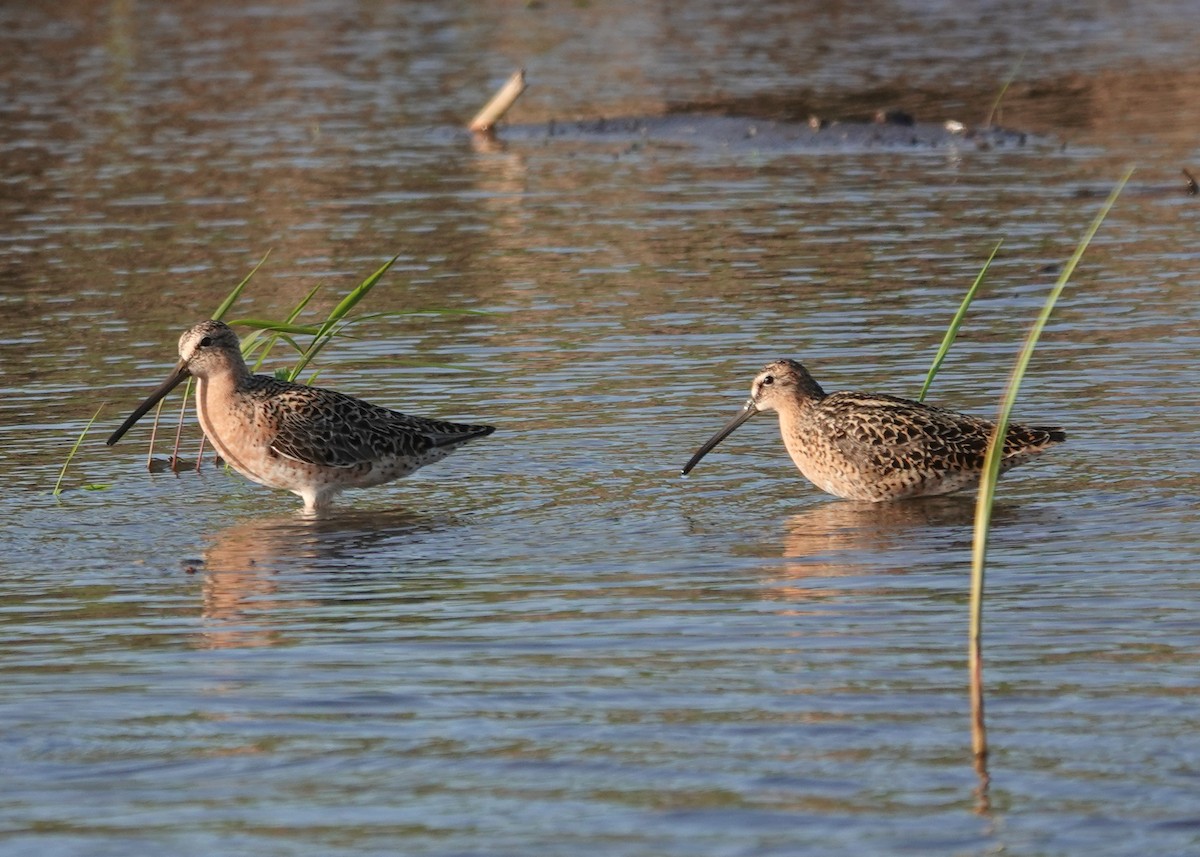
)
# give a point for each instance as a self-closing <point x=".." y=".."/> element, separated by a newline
<point x="311" y="441"/>
<point x="862" y="446"/>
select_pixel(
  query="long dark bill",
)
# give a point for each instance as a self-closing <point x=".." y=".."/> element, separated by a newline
<point x="167" y="386"/>
<point x="748" y="410"/>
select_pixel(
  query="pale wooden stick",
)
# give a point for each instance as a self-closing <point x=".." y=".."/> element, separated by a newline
<point x="501" y="101"/>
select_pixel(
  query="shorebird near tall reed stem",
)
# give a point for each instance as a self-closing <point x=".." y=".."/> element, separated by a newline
<point x="863" y="446"/>
<point x="308" y="440"/>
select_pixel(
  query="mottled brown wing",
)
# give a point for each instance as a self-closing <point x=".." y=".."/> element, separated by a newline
<point x="330" y="429"/>
<point x="894" y="434"/>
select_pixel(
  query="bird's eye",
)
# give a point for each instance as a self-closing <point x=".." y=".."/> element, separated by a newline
<point x="768" y="380"/>
<point x="205" y="342"/>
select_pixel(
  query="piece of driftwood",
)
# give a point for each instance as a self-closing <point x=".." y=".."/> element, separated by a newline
<point x="504" y="98"/>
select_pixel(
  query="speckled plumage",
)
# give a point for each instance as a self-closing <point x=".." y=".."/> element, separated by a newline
<point x="308" y="440"/>
<point x="862" y="446"/>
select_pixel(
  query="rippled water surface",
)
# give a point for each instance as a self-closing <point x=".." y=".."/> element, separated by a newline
<point x="549" y="643"/>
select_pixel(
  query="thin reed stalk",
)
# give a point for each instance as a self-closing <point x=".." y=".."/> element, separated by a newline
<point x="1012" y="76"/>
<point x="956" y="323"/>
<point x="991" y="472"/>
<point x="74" y="449"/>
<point x="237" y="290"/>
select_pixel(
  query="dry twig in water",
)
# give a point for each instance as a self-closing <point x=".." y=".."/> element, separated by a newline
<point x="503" y="99"/>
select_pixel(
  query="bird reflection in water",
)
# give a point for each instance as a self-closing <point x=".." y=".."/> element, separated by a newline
<point x="840" y="540"/>
<point x="256" y="573"/>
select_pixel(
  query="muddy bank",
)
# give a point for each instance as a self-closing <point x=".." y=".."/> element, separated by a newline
<point x="893" y="131"/>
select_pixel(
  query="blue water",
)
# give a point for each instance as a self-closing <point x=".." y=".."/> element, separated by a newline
<point x="549" y="643"/>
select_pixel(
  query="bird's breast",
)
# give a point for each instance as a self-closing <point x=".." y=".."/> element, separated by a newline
<point x="238" y="428"/>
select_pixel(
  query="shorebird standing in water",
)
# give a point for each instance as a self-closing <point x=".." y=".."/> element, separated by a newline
<point x="311" y="441"/>
<point x="862" y="446"/>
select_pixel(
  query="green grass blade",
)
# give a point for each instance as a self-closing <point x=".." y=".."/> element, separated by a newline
<point x="334" y="321"/>
<point x="277" y="326"/>
<point x="956" y="323"/>
<point x="251" y="342"/>
<point x="258" y="343"/>
<point x="237" y="291"/>
<point x="358" y="293"/>
<point x="352" y="298"/>
<point x="270" y="343"/>
<point x="74" y="449"/>
<point x="295" y="313"/>
<point x="991" y="471"/>
<point x="987" y="123"/>
<point x="314" y="348"/>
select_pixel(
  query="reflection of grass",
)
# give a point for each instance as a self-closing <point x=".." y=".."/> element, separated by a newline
<point x="71" y="455"/>
<point x="991" y="472"/>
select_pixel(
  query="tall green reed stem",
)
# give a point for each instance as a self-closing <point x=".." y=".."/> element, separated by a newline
<point x="991" y="472"/>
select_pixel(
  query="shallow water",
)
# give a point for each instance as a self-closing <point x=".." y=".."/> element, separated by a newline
<point x="549" y="642"/>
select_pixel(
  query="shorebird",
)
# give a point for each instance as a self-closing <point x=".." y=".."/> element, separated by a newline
<point x="311" y="441"/>
<point x="863" y="446"/>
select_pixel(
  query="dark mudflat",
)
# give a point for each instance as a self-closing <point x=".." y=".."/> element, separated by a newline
<point x="736" y="133"/>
